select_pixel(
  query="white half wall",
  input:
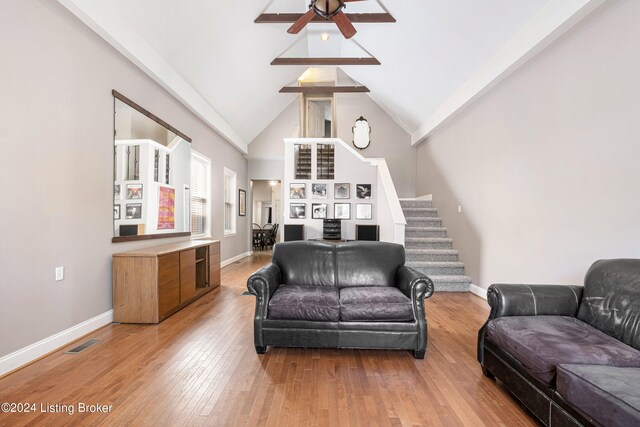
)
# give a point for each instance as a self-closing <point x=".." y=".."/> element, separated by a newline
<point x="545" y="165"/>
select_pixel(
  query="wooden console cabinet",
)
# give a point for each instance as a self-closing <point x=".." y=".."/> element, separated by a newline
<point x="151" y="284"/>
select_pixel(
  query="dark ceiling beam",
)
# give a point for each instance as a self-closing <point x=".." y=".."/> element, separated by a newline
<point x="359" y="18"/>
<point x="314" y="90"/>
<point x="325" y="61"/>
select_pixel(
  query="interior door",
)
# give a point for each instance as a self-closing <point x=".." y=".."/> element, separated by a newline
<point x="315" y="120"/>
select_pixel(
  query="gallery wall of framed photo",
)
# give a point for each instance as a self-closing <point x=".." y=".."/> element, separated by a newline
<point x="350" y="196"/>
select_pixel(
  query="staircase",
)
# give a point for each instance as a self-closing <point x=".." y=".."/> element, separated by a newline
<point x="429" y="250"/>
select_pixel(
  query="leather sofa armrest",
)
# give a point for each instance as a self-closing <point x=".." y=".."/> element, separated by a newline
<point x="417" y="287"/>
<point x="264" y="282"/>
<point x="533" y="300"/>
<point x="413" y="284"/>
<point x="529" y="300"/>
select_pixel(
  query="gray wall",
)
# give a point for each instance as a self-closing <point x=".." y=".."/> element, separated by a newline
<point x="388" y="140"/>
<point x="545" y="165"/>
<point x="56" y="133"/>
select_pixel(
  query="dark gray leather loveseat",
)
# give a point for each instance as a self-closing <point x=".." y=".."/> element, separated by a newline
<point x="570" y="354"/>
<point x="346" y="295"/>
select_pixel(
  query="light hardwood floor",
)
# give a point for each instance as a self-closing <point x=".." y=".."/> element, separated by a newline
<point x="199" y="367"/>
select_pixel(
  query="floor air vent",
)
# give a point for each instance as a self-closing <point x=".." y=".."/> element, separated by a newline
<point x="82" y="347"/>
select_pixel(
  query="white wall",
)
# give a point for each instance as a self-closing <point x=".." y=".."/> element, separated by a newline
<point x="56" y="131"/>
<point x="388" y="140"/>
<point x="545" y="165"/>
<point x="348" y="169"/>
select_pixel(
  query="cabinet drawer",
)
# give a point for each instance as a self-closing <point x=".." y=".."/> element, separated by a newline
<point x="214" y="249"/>
<point x="168" y="268"/>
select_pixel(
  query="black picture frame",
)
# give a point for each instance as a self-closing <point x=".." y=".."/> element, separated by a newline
<point x="363" y="191"/>
<point x="133" y="211"/>
<point x="135" y="191"/>
<point x="297" y="210"/>
<point x="319" y="191"/>
<point x="319" y="210"/>
<point x="364" y="211"/>
<point x="297" y="191"/>
<point x="342" y="190"/>
<point x="338" y="212"/>
<point x="242" y="202"/>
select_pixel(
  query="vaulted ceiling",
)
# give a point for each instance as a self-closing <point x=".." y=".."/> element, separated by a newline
<point x="217" y="51"/>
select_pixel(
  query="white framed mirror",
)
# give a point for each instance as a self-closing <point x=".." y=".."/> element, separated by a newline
<point x="361" y="133"/>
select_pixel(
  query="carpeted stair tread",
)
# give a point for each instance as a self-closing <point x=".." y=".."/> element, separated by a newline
<point x="415" y="203"/>
<point x="427" y="264"/>
<point x="413" y="251"/>
<point x="428" y="240"/>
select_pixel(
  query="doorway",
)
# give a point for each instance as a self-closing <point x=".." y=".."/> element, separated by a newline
<point x="318" y="117"/>
<point x="266" y="208"/>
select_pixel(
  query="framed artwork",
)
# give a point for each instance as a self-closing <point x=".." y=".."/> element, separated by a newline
<point x="363" y="191"/>
<point x="116" y="192"/>
<point x="298" y="210"/>
<point x="134" y="191"/>
<point x="116" y="212"/>
<point x="342" y="191"/>
<point x="319" y="211"/>
<point x="319" y="191"/>
<point x="134" y="211"/>
<point x="242" y="203"/>
<point x="297" y="191"/>
<point x="166" y="208"/>
<point x="342" y="210"/>
<point x="364" y="211"/>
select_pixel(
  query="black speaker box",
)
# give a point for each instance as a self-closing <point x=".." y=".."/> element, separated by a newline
<point x="368" y="232"/>
<point x="293" y="232"/>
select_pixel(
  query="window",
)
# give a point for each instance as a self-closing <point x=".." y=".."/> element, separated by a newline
<point x="200" y="195"/>
<point x="230" y="185"/>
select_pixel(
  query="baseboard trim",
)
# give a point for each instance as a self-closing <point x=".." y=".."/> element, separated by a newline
<point x="31" y="353"/>
<point x="478" y="291"/>
<point x="235" y="258"/>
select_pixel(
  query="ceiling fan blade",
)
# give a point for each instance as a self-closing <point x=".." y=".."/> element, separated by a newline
<point x="302" y="22"/>
<point x="344" y="25"/>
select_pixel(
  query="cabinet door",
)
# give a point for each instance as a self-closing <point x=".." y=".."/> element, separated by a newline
<point x="214" y="265"/>
<point x="187" y="274"/>
<point x="168" y="283"/>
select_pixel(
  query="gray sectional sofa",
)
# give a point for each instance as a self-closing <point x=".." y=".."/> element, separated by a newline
<point x="346" y="295"/>
<point x="570" y="354"/>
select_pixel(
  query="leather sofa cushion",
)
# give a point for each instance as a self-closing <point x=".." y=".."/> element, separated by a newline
<point x="306" y="263"/>
<point x="611" y="299"/>
<point x="368" y="263"/>
<point x="540" y="343"/>
<point x="609" y="395"/>
<point x="315" y="303"/>
<point x="374" y="304"/>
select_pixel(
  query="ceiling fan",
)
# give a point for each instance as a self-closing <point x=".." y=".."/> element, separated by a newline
<point x="327" y="9"/>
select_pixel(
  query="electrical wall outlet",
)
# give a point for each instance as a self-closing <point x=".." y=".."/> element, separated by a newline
<point x="59" y="274"/>
<point x="459" y="208"/>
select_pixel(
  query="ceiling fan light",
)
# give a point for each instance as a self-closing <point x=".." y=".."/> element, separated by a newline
<point x="327" y="8"/>
<point x="324" y="37"/>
